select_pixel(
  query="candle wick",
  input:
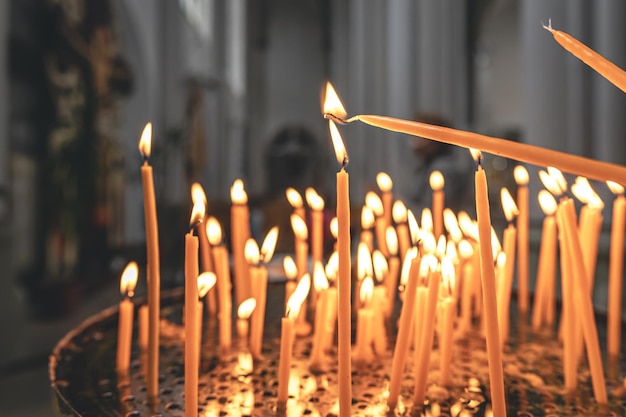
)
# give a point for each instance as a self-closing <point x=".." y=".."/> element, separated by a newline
<point x="549" y="27"/>
<point x="345" y="161"/>
<point x="334" y="118"/>
<point x="145" y="158"/>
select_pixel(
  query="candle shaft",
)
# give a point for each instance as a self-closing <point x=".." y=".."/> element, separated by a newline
<point x="438" y="206"/>
<point x="445" y="345"/>
<point x="206" y="262"/>
<point x="258" y="275"/>
<point x="191" y="325"/>
<point x="321" y="311"/>
<point x="240" y="232"/>
<point x="616" y="272"/>
<point x="317" y="235"/>
<point x="222" y="268"/>
<point x="504" y="314"/>
<point x="143" y="327"/>
<point x="124" y="335"/>
<point x="522" y="250"/>
<point x="284" y="364"/>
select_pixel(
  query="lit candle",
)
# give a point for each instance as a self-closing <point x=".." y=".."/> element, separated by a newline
<point x="320" y="284"/>
<point x="344" y="275"/>
<point x="399" y="213"/>
<point x="427" y="221"/>
<point x="409" y="279"/>
<point x="316" y="202"/>
<point x="466" y="251"/>
<point x="291" y="275"/>
<point x="367" y="224"/>
<point x="295" y="200"/>
<point x="206" y="281"/>
<point x="616" y="269"/>
<point x="494" y="353"/>
<point x="224" y="296"/>
<point x="544" y="304"/>
<point x="452" y="225"/>
<point x="508" y="246"/>
<point x="437" y="183"/>
<point x="373" y="201"/>
<point x="521" y="179"/>
<point x="363" y="352"/>
<point x="192" y="338"/>
<point x="603" y="66"/>
<point x="448" y="310"/>
<point x="391" y="279"/>
<point x="287" y="333"/>
<point x="153" y="270"/>
<point x="197" y="193"/>
<point x="385" y="184"/>
<point x="125" y="325"/>
<point x="240" y="232"/>
<point x="331" y="316"/>
<point x="301" y="234"/>
<point x="244" y="311"/>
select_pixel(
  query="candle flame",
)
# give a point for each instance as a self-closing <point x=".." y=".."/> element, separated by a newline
<point x="364" y="261"/>
<point x="206" y="281"/>
<point x="246" y="308"/>
<point x="332" y="103"/>
<point x="290" y="268"/>
<point x="427" y="219"/>
<point x="411" y="254"/>
<point x="373" y="201"/>
<point x="447" y="274"/>
<point x="251" y="252"/>
<point x="547" y="202"/>
<point x="467" y="225"/>
<point x="294" y="197"/>
<point x="128" y="281"/>
<point x="320" y="282"/>
<point x="299" y="295"/>
<point x="414" y="229"/>
<point x="197" y="193"/>
<point x="476" y="154"/>
<point x="521" y="175"/>
<point x="238" y="193"/>
<point x="269" y="245"/>
<point x="398" y="212"/>
<point x="452" y="225"/>
<point x="367" y="218"/>
<point x="340" y="149"/>
<point x="299" y="227"/>
<point x="615" y="188"/>
<point x="383" y="180"/>
<point x="451" y="251"/>
<point x="314" y="200"/>
<point x="550" y="183"/>
<point x="508" y="204"/>
<point x="213" y="231"/>
<point x="145" y="142"/>
<point x="495" y="242"/>
<point x="436" y="181"/>
<point x="465" y="249"/>
<point x="428" y="264"/>
<point x="332" y="266"/>
<point x="559" y="178"/>
<point x="366" y="291"/>
<point x="197" y="214"/>
<point x="334" y="227"/>
<point x="500" y="260"/>
<point x="582" y="191"/>
<point x="381" y="267"/>
<point x="391" y="238"/>
<point x="429" y="243"/>
<point x="441" y="246"/>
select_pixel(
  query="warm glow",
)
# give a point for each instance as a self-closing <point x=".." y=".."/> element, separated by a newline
<point x="383" y="180"/>
<point x="213" y="231"/>
<point x="238" y="194"/>
<point x="332" y="103"/>
<point x="391" y="238"/>
<point x="476" y="154"/>
<point x="428" y="264"/>
<point x="373" y="201"/>
<point x="381" y="267"/>
<point x="411" y="254"/>
<point x="320" y="282"/>
<point x="452" y="225"/>
<point x="500" y="260"/>
<point x="582" y="191"/>
<point x="145" y="142"/>
<point x="246" y="308"/>
<point x="521" y="175"/>
<point x="332" y="266"/>
<point x="334" y="227"/>
<point x="447" y="274"/>
<point x="128" y="281"/>
<point x="313" y="199"/>
<point x="398" y="211"/>
<point x="364" y="261"/>
<point x="299" y="227"/>
<point x="367" y="218"/>
<point x="495" y="242"/>
<point x="451" y="251"/>
<point x="427" y="219"/>
<point x="269" y="244"/>
<point x="414" y="229"/>
<point x="550" y="183"/>
<point x="441" y="246"/>
<point x="197" y="193"/>
<point x="429" y="243"/>
<point x="547" y="202"/>
<point x="615" y="188"/>
<point x="508" y="204"/>
<point x="251" y="252"/>
<point x="206" y="281"/>
<point x="289" y="265"/>
<point x="559" y="178"/>
<point x="299" y="295"/>
<point x="467" y="225"/>
<point x="294" y="197"/>
<point x="366" y="291"/>
<point x="466" y="250"/>
<point x="340" y="149"/>
<point x="436" y="181"/>
<point x="197" y="213"/>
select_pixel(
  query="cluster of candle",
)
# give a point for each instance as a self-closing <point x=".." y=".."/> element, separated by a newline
<point x="450" y="272"/>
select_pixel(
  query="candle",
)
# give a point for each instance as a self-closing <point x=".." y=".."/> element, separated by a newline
<point x="334" y="226"/>
<point x="616" y="269"/>
<point x="244" y="311"/>
<point x="466" y="251"/>
<point x="224" y="296"/>
<point x="367" y="223"/>
<point x="287" y="332"/>
<point x="153" y="269"/>
<point x="295" y="200"/>
<point x="603" y="66"/>
<point x="544" y="305"/>
<point x="291" y="275"/>
<point x="437" y="183"/>
<point x="192" y="338"/>
<point x="206" y="281"/>
<point x="240" y="232"/>
<point x="391" y="280"/>
<point x="399" y="213"/>
<point x="320" y="283"/>
<point x="494" y="353"/>
<point x="409" y="279"/>
<point x="373" y="201"/>
<point x="508" y="240"/>
<point x="125" y="325"/>
<point x="331" y="269"/>
<point x="363" y="350"/>
<point x="448" y="310"/>
<point x="521" y="179"/>
<point x="427" y="221"/>
<point x="452" y="225"/>
<point x="316" y="202"/>
<point x="197" y="193"/>
<point x="301" y="233"/>
<point x="344" y="278"/>
<point x="143" y="328"/>
<point x="385" y="184"/>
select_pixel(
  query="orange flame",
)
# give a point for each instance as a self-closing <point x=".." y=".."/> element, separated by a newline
<point x="391" y="238"/>
<point x="384" y="182"/>
<point x="197" y="213"/>
<point x="436" y="181"/>
<point x="411" y="254"/>
<point x="364" y="261"/>
<point x="340" y="149"/>
<point x="299" y="295"/>
<point x="213" y="231"/>
<point x="332" y="103"/>
<point x="320" y="282"/>
<point x="427" y="220"/>
<point x="615" y="188"/>
<point x="373" y="201"/>
<point x="381" y="267"/>
<point x="550" y="183"/>
<point x="294" y="197"/>
<point x="128" y="281"/>
<point x="414" y="229"/>
<point x="582" y="191"/>
<point x="447" y="274"/>
<point x="558" y="177"/>
<point x="251" y="252"/>
<point x="452" y="225"/>
<point x="521" y="175"/>
<point x="398" y="212"/>
<point x="332" y="266"/>
<point x="197" y="193"/>
<point x="508" y="204"/>
<point x="366" y="291"/>
<point x="145" y="142"/>
<point x="238" y="193"/>
<point x="476" y="154"/>
<point x="465" y="249"/>
<point x="269" y="245"/>
<point x="314" y="200"/>
<point x="246" y="308"/>
<point x="334" y="227"/>
<point x="206" y="281"/>
<point x="547" y="202"/>
<point x="367" y="218"/>
<point x="299" y="227"/>
<point x="289" y="265"/>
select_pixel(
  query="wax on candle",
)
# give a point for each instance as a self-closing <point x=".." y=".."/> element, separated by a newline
<point x="521" y="179"/>
<point x="373" y="201"/>
<point x="128" y="281"/>
<point x="153" y="265"/>
<point x="244" y="311"/>
<point x="240" y="232"/>
<point x="316" y="203"/>
<point x="616" y="269"/>
<point x="400" y="218"/>
<point x="437" y="183"/>
<point x="385" y="184"/>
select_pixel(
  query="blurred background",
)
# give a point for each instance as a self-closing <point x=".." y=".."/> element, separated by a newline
<point x="232" y="88"/>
